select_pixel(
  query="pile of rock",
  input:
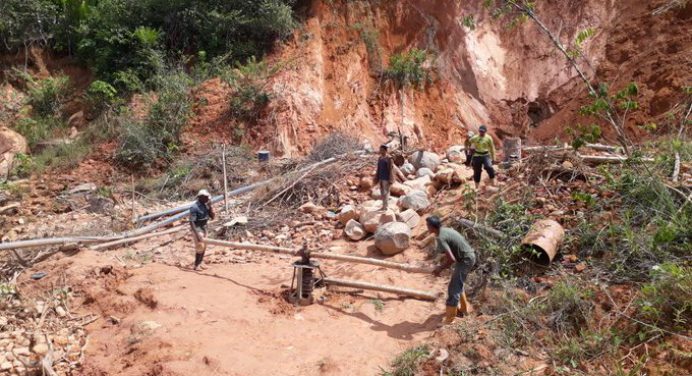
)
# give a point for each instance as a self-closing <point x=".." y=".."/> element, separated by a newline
<point x="23" y="346"/>
<point x="418" y="180"/>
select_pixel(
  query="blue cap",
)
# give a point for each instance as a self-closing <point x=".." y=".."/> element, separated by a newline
<point x="482" y="128"/>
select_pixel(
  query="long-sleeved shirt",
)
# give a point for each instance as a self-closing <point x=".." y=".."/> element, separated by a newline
<point x="199" y="214"/>
<point x="483" y="145"/>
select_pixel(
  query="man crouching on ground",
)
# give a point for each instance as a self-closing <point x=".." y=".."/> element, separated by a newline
<point x="456" y="250"/>
<point x="200" y="213"/>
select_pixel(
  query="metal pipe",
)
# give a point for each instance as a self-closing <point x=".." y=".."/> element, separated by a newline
<point x="425" y="295"/>
<point x="326" y="256"/>
<point x="544" y="237"/>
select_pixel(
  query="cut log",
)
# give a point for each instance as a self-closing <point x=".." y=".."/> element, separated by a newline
<point x="425" y="295"/>
<point x="602" y="159"/>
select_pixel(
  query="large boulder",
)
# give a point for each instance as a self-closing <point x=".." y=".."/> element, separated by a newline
<point x="421" y="159"/>
<point x="393" y="238"/>
<point x="424" y="172"/>
<point x="399" y="189"/>
<point x="354" y="230"/>
<point x="347" y="213"/>
<point x="11" y="144"/>
<point x="365" y="183"/>
<point x="456" y="154"/>
<point x="373" y="219"/>
<point x="418" y="184"/>
<point x="452" y="174"/>
<point x="416" y="200"/>
<point x="410" y="217"/>
<point x="407" y="168"/>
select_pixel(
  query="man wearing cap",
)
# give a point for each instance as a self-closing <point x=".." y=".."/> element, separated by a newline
<point x="456" y="251"/>
<point x="200" y="213"/>
<point x="384" y="175"/>
<point x="483" y="155"/>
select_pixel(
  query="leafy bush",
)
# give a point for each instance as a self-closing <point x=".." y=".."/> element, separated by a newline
<point x="99" y="96"/>
<point x="144" y="143"/>
<point x="568" y="307"/>
<point x="250" y="96"/>
<point x="406" y="68"/>
<point x="48" y="96"/>
<point x="26" y="22"/>
<point x="39" y="129"/>
<point x="667" y="300"/>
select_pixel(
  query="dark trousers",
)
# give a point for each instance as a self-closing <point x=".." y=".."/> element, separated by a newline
<point x="480" y="162"/>
<point x="456" y="283"/>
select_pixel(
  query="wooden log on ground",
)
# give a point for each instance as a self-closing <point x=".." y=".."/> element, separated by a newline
<point x="603" y="159"/>
<point x="253" y="247"/>
<point x="425" y="295"/>
<point x="55" y="241"/>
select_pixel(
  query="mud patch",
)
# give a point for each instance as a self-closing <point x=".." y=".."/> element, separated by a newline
<point x="146" y="297"/>
<point x="276" y="301"/>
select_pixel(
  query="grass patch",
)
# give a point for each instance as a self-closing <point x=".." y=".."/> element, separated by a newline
<point x="408" y="362"/>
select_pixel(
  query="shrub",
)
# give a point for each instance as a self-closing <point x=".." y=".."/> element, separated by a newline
<point x="99" y="96"/>
<point x="139" y="147"/>
<point x="408" y="362"/>
<point x="667" y="300"/>
<point x="47" y="96"/>
<point x="36" y="130"/>
<point x="406" y="68"/>
<point x="568" y="307"/>
<point x="250" y="96"/>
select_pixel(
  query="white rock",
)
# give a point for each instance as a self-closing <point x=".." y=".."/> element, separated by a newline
<point x="392" y="238"/>
<point x="145" y="328"/>
<point x="347" y="213"/>
<point x="407" y="168"/>
<point x="399" y="189"/>
<point x="354" y="230"/>
<point x="86" y="187"/>
<point x="60" y="311"/>
<point x="416" y="200"/>
<point x="424" y="172"/>
<point x="456" y="153"/>
<point x="372" y="220"/>
<point x="426" y="159"/>
<point x="419" y="183"/>
<point x="410" y="217"/>
<point x="6" y="366"/>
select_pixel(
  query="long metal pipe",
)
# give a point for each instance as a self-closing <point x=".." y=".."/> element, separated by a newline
<point x="425" y="295"/>
<point x="319" y="255"/>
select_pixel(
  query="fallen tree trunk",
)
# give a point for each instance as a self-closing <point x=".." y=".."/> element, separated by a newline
<point x="676" y="168"/>
<point x="597" y="147"/>
<point x="319" y="255"/>
<point x="425" y="295"/>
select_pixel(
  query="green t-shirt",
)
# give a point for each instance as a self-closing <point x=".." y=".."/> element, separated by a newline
<point x="451" y="240"/>
<point x="483" y="145"/>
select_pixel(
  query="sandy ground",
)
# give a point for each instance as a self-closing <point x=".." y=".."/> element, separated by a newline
<point x="232" y="319"/>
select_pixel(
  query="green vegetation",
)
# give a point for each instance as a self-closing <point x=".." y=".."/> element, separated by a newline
<point x="406" y="68"/>
<point x="666" y="301"/>
<point x="127" y="41"/>
<point x="408" y="362"/>
<point x="370" y="37"/>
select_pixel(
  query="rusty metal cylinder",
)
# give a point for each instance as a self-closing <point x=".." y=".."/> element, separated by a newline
<point x="511" y="146"/>
<point x="544" y="237"/>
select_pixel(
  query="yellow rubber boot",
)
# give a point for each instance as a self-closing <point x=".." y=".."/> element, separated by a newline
<point x="450" y="315"/>
<point x="464" y="306"/>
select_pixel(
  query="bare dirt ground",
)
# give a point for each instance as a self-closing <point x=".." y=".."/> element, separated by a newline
<point x="232" y="318"/>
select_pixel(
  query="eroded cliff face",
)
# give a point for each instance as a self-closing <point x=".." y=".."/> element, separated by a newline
<point x="511" y="78"/>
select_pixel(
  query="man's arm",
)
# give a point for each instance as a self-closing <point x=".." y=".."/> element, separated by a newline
<point x="391" y="169"/>
<point x="211" y="210"/>
<point x="447" y="260"/>
<point x="492" y="148"/>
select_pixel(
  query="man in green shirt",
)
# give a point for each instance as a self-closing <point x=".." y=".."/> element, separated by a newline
<point x="456" y="251"/>
<point x="483" y="155"/>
